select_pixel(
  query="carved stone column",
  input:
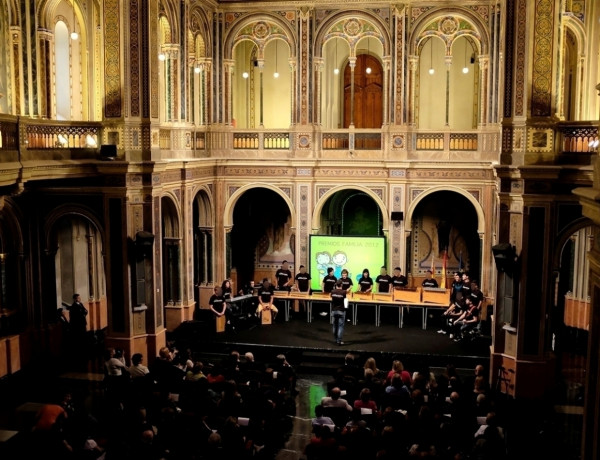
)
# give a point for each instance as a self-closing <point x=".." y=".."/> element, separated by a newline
<point x="590" y="200"/>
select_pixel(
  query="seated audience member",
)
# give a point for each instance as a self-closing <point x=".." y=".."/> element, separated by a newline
<point x="321" y="419"/>
<point x="335" y="400"/>
<point x="196" y="373"/>
<point x="323" y="445"/>
<point x="286" y="375"/>
<point x="398" y="368"/>
<point x="365" y="402"/>
<point x="137" y="369"/>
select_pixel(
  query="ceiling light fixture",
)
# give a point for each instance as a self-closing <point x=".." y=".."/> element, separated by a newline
<point x="368" y="69"/>
<point x="74" y="35"/>
<point x="336" y="70"/>
<point x="245" y="73"/>
<point x="431" y="70"/>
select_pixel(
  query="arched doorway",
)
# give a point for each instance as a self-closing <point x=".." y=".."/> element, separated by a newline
<point x="444" y="224"/>
<point x="261" y="236"/>
<point x="351" y="212"/>
<point x="368" y="93"/>
<point x="203" y="245"/>
<point x="171" y="253"/>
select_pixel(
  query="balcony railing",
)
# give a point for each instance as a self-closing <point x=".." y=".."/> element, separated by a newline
<point x="575" y="141"/>
<point x="43" y="134"/>
<point x="579" y="137"/>
<point x="9" y="134"/>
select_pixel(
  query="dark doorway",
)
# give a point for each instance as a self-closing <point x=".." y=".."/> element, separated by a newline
<point x="351" y="212"/>
<point x="446" y="221"/>
<point x="261" y="233"/>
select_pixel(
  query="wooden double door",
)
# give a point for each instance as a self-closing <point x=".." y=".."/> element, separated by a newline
<point x="368" y="93"/>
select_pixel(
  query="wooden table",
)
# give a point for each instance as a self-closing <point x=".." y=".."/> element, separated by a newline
<point x="356" y="300"/>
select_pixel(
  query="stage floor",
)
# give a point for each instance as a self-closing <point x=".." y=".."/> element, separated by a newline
<point x="297" y="335"/>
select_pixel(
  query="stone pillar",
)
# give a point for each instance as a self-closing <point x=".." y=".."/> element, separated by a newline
<point x="590" y="200"/>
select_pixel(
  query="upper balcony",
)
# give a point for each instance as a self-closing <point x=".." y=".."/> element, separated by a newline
<point x="33" y="144"/>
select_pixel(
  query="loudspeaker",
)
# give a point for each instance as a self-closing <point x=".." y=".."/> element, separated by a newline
<point x="108" y="151"/>
<point x="397" y="215"/>
<point x="504" y="256"/>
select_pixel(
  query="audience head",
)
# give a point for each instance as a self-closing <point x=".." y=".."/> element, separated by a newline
<point x="335" y="393"/>
<point x="136" y="359"/>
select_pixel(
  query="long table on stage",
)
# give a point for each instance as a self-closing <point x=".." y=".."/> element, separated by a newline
<point x="402" y="299"/>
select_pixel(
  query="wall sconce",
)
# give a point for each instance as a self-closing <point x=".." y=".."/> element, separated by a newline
<point x="197" y="68"/>
<point x="162" y="57"/>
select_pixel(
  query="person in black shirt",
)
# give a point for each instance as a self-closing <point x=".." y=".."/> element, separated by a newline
<point x="466" y="285"/>
<point x="399" y="281"/>
<point x="346" y="281"/>
<point x="476" y="295"/>
<point x="338" y="310"/>
<point x="302" y="285"/>
<point x="284" y="277"/>
<point x="265" y="298"/>
<point x="303" y="280"/>
<point x="456" y="292"/>
<point x="328" y="282"/>
<point x="365" y="282"/>
<point x="429" y="281"/>
<point x="383" y="281"/>
<point x="227" y="289"/>
<point x="327" y="285"/>
<point x="217" y="302"/>
<point x="78" y="331"/>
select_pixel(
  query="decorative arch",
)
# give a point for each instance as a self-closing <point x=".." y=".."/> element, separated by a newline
<point x="348" y="22"/>
<point x="199" y="25"/>
<point x="75" y="210"/>
<point x="230" y="205"/>
<point x="202" y="194"/>
<point x="446" y="188"/>
<point x="420" y="31"/>
<point x="564" y="235"/>
<point x="256" y="28"/>
<point x="171" y="215"/>
<point x="169" y="10"/>
<point x="10" y="220"/>
<point x="316" y="217"/>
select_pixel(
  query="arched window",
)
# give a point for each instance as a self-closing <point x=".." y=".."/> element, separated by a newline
<point x="62" y="75"/>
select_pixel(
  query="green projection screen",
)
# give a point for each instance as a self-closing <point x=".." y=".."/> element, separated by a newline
<point x="354" y="253"/>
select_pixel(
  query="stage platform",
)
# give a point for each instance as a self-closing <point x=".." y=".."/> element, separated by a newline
<point x="311" y="347"/>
